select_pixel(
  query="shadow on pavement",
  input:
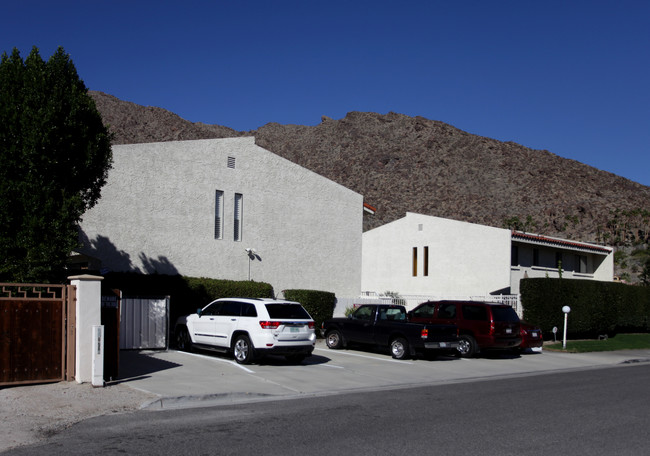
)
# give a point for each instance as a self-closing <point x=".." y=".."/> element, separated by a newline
<point x="135" y="365"/>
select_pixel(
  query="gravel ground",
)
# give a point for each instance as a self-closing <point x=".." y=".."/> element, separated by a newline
<point x="31" y="413"/>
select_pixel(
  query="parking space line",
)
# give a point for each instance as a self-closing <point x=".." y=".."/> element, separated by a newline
<point x="366" y="356"/>
<point x="331" y="366"/>
<point x="212" y="358"/>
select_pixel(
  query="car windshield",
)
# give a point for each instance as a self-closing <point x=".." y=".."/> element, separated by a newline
<point x="287" y="311"/>
<point x="506" y="313"/>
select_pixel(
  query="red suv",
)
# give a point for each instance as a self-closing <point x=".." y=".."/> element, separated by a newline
<point x="481" y="325"/>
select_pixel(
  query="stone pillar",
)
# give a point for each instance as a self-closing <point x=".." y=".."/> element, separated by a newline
<point x="89" y="314"/>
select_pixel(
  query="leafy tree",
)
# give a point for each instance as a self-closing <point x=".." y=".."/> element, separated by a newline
<point x="55" y="154"/>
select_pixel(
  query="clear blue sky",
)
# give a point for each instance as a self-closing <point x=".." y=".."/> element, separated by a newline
<point x="571" y="77"/>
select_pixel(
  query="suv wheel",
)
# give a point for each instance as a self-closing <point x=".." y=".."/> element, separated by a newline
<point x="243" y="350"/>
<point x="467" y="347"/>
<point x="399" y="348"/>
<point x="183" y="341"/>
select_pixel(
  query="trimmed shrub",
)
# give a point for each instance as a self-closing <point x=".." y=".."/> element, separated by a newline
<point x="186" y="293"/>
<point x="319" y="304"/>
<point x="596" y="307"/>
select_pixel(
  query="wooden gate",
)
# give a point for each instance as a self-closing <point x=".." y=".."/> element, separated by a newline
<point x="37" y="333"/>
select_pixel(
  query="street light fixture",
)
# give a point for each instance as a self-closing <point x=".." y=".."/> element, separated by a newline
<point x="566" y="310"/>
<point x="251" y="253"/>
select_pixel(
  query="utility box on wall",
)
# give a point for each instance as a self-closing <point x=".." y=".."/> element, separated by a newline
<point x="98" y="356"/>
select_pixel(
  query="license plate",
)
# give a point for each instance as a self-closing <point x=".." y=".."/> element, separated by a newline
<point x="294" y="329"/>
<point x="533" y="334"/>
<point x="508" y="331"/>
<point x="443" y="344"/>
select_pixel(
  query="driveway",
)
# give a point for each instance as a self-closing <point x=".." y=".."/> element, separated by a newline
<point x="180" y="379"/>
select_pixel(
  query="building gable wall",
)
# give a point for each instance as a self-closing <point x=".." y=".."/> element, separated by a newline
<point x="157" y="214"/>
<point x="463" y="258"/>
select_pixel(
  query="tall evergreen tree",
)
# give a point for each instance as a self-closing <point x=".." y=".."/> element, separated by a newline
<point x="55" y="154"/>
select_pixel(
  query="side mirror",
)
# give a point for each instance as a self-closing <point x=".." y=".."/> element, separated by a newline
<point x="199" y="311"/>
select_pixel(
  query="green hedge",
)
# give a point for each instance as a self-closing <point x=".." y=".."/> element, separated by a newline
<point x="596" y="307"/>
<point x="319" y="304"/>
<point x="186" y="293"/>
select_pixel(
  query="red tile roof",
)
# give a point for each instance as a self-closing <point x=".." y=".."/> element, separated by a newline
<point x="369" y="208"/>
<point x="559" y="242"/>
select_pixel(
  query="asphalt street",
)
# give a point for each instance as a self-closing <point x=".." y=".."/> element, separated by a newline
<point x="595" y="412"/>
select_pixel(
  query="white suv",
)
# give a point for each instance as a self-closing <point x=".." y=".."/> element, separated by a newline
<point x="249" y="328"/>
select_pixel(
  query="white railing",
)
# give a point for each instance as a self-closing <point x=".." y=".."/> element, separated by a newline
<point x="411" y="301"/>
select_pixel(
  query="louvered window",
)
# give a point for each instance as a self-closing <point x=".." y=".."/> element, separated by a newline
<point x="218" y="215"/>
<point x="239" y="207"/>
<point x="231" y="162"/>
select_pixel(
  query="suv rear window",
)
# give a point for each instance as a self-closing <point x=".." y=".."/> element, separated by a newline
<point x="287" y="311"/>
<point x="471" y="312"/>
<point x="504" y="314"/>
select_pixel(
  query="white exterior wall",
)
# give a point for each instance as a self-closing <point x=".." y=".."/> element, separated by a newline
<point x="157" y="214"/>
<point x="464" y="258"/>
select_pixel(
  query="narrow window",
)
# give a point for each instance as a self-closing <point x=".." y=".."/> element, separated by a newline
<point x="218" y="215"/>
<point x="231" y="162"/>
<point x="535" y="257"/>
<point x="415" y="261"/>
<point x="514" y="255"/>
<point x="239" y="207"/>
<point x="558" y="260"/>
<point x="426" y="261"/>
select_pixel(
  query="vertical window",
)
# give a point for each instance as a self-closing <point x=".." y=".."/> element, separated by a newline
<point x="426" y="261"/>
<point x="558" y="260"/>
<point x="535" y="257"/>
<point x="218" y="215"/>
<point x="239" y="202"/>
<point x="231" y="162"/>
<point x="514" y="255"/>
<point x="415" y="261"/>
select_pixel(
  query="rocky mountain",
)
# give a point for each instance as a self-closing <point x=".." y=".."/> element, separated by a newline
<point x="401" y="163"/>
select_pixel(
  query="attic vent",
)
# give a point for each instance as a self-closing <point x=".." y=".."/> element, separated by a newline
<point x="231" y="162"/>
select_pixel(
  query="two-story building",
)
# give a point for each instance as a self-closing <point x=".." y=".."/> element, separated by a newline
<point x="432" y="257"/>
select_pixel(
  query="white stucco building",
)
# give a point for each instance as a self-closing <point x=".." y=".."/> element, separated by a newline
<point x="194" y="207"/>
<point x="422" y="255"/>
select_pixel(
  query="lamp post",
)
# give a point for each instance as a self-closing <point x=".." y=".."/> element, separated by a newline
<point x="251" y="253"/>
<point x="566" y="310"/>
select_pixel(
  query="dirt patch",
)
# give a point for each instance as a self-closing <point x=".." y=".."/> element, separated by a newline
<point x="32" y="413"/>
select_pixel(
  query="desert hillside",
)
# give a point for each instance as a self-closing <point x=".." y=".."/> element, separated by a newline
<point x="402" y="163"/>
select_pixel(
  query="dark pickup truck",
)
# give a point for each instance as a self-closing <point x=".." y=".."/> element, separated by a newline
<point x="385" y="325"/>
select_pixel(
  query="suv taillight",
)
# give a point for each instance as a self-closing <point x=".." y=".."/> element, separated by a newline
<point x="492" y="328"/>
<point x="425" y="333"/>
<point x="312" y="325"/>
<point x="269" y="324"/>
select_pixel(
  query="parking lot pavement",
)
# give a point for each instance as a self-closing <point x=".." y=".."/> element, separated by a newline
<point x="180" y="379"/>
